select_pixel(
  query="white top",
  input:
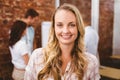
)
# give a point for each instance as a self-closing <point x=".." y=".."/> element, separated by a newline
<point x="91" y="40"/>
<point x="36" y="64"/>
<point x="29" y="38"/>
<point x="17" y="51"/>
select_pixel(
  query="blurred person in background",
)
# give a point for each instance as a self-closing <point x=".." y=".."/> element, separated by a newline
<point x="18" y="49"/>
<point x="91" y="39"/>
<point x="30" y="18"/>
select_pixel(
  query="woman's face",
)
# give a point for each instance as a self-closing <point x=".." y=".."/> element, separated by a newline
<point x="65" y="27"/>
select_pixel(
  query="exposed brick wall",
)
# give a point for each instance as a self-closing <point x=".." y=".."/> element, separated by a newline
<point x="6" y="66"/>
<point x="10" y="10"/>
<point x="106" y="28"/>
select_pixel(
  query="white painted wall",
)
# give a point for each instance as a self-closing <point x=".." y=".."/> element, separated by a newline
<point x="57" y="3"/>
<point x="46" y="26"/>
<point x="95" y="18"/>
<point x="45" y="32"/>
<point x="95" y="14"/>
<point x="116" y="28"/>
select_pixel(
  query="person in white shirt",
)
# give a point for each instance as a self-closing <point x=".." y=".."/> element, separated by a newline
<point x="91" y="40"/>
<point x="31" y="16"/>
<point x="18" y="49"/>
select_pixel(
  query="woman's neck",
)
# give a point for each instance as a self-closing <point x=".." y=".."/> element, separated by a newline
<point x="66" y="49"/>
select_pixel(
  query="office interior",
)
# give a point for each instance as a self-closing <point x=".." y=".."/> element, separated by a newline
<point x="103" y="16"/>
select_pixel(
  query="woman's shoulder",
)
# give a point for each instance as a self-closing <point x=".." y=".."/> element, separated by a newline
<point x="37" y="56"/>
<point x="92" y="70"/>
<point x="18" y="44"/>
<point x="89" y="55"/>
<point x="91" y="58"/>
<point x="37" y="52"/>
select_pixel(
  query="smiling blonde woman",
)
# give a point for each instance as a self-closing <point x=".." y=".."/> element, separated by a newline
<point x="64" y="57"/>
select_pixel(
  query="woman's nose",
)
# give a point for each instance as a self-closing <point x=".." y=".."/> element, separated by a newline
<point x="65" y="29"/>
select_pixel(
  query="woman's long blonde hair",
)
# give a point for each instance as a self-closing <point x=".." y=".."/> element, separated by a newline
<point x="52" y="51"/>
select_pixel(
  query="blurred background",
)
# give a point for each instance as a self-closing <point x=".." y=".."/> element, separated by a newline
<point x="102" y="15"/>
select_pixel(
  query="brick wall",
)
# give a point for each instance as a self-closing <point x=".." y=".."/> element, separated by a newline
<point x="9" y="12"/>
<point x="106" y="28"/>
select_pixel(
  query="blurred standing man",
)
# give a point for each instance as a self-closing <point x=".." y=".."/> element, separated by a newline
<point x="91" y="40"/>
<point x="30" y="18"/>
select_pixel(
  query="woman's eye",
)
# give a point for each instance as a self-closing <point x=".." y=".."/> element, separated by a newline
<point x="59" y="25"/>
<point x="72" y="25"/>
